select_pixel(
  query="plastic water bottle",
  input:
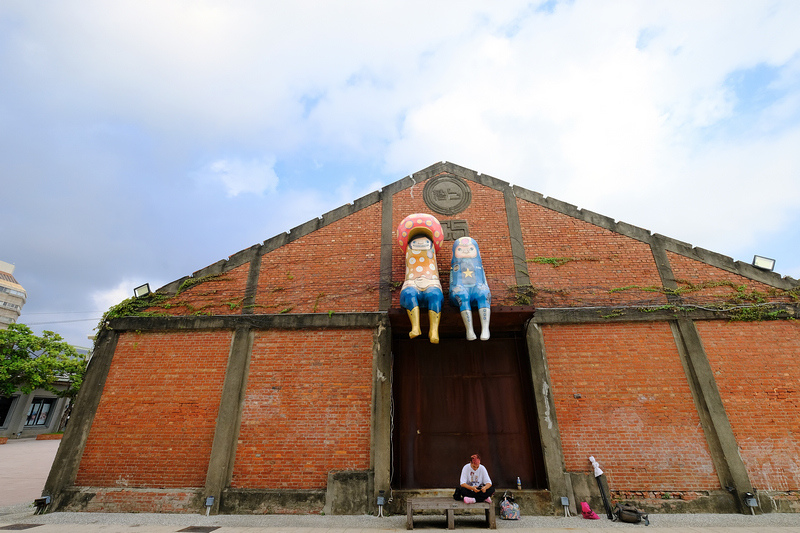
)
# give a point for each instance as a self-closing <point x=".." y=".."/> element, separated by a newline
<point x="519" y="484"/>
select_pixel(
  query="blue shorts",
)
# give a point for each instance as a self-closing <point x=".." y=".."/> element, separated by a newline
<point x="431" y="298"/>
<point x="463" y="297"/>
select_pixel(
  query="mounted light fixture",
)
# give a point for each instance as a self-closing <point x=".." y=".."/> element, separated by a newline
<point x="142" y="290"/>
<point x="764" y="263"/>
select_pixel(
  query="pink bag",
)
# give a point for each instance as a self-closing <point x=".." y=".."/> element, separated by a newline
<point x="587" y="512"/>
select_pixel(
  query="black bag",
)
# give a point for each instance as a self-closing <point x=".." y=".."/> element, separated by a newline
<point x="629" y="513"/>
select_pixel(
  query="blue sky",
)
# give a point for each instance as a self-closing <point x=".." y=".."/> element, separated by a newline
<point x="141" y="141"/>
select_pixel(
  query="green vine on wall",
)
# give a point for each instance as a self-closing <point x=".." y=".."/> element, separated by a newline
<point x="316" y="301"/>
<point x="524" y="294"/>
<point x="743" y="304"/>
<point x="755" y="313"/>
<point x="133" y="307"/>
<point x="740" y="292"/>
<point x="556" y="262"/>
<point x="191" y="282"/>
<point x="136" y="306"/>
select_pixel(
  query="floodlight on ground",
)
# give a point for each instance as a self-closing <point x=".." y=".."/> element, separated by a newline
<point x="750" y="501"/>
<point x="764" y="263"/>
<point x="142" y="290"/>
<point x="41" y="504"/>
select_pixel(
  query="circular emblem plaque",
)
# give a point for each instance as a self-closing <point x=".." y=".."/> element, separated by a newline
<point x="447" y="194"/>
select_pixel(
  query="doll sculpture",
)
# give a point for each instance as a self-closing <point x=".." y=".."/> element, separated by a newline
<point x="468" y="285"/>
<point x="420" y="236"/>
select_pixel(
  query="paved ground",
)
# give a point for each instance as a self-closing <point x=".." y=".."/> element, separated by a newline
<point x="25" y="463"/>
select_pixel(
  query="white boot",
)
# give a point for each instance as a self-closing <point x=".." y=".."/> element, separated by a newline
<point x="467" y="316"/>
<point x="484" y="312"/>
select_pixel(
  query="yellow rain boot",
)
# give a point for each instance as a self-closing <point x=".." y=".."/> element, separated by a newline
<point x="413" y="315"/>
<point x="433" y="334"/>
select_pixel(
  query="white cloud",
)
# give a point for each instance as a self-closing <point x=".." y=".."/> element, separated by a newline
<point x="255" y="176"/>
<point x="620" y="107"/>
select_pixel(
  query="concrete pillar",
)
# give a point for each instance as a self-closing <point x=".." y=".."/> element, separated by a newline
<point x="557" y="479"/>
<point x="515" y="234"/>
<point x="229" y="417"/>
<point x="717" y="428"/>
<point x="387" y="242"/>
<point x="381" y="411"/>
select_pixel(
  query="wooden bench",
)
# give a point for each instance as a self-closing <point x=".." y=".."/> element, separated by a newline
<point x="448" y="505"/>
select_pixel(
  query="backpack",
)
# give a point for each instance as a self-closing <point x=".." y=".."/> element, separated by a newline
<point x="508" y="509"/>
<point x="629" y="513"/>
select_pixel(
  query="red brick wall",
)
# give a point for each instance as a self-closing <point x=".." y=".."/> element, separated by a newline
<point x="156" y="419"/>
<point x="635" y="415"/>
<point x="488" y="225"/>
<point x="307" y="409"/>
<point x="757" y="369"/>
<point x="596" y="261"/>
<point x="703" y="284"/>
<point x="336" y="268"/>
<point x="216" y="295"/>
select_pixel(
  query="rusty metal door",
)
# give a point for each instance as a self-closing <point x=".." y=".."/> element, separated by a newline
<point x="458" y="398"/>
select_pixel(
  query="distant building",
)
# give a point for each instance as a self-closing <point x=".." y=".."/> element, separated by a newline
<point x="12" y="296"/>
<point x="41" y="411"/>
<point x="28" y="415"/>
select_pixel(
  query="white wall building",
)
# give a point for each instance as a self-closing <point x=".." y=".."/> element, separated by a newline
<point x="12" y="296"/>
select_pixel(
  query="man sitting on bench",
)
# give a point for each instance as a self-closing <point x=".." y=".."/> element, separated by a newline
<point x="476" y="486"/>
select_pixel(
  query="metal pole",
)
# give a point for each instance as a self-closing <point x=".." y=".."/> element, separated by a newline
<point x="603" y="495"/>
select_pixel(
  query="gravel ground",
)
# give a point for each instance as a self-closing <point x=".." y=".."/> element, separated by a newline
<point x="24" y="514"/>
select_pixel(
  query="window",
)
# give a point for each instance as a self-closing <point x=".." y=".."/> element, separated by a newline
<point x="39" y="411"/>
<point x="13" y="292"/>
<point x="5" y="408"/>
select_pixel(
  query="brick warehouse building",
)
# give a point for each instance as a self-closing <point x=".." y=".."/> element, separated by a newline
<point x="283" y="379"/>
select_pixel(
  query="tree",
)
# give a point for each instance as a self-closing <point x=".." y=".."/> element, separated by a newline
<point x="29" y="362"/>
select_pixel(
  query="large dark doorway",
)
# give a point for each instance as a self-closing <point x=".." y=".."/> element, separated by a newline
<point x="458" y="398"/>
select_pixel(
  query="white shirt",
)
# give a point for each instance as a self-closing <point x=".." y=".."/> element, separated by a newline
<point x="474" y="478"/>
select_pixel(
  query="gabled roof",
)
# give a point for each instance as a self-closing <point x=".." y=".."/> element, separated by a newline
<point x="623" y="228"/>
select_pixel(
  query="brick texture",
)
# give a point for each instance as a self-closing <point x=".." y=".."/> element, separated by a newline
<point x="212" y="295"/>
<point x="307" y="409"/>
<point x="701" y="283"/>
<point x="757" y="369"/>
<point x="336" y="268"/>
<point x="155" y="422"/>
<point x="596" y="267"/>
<point x="635" y="413"/>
